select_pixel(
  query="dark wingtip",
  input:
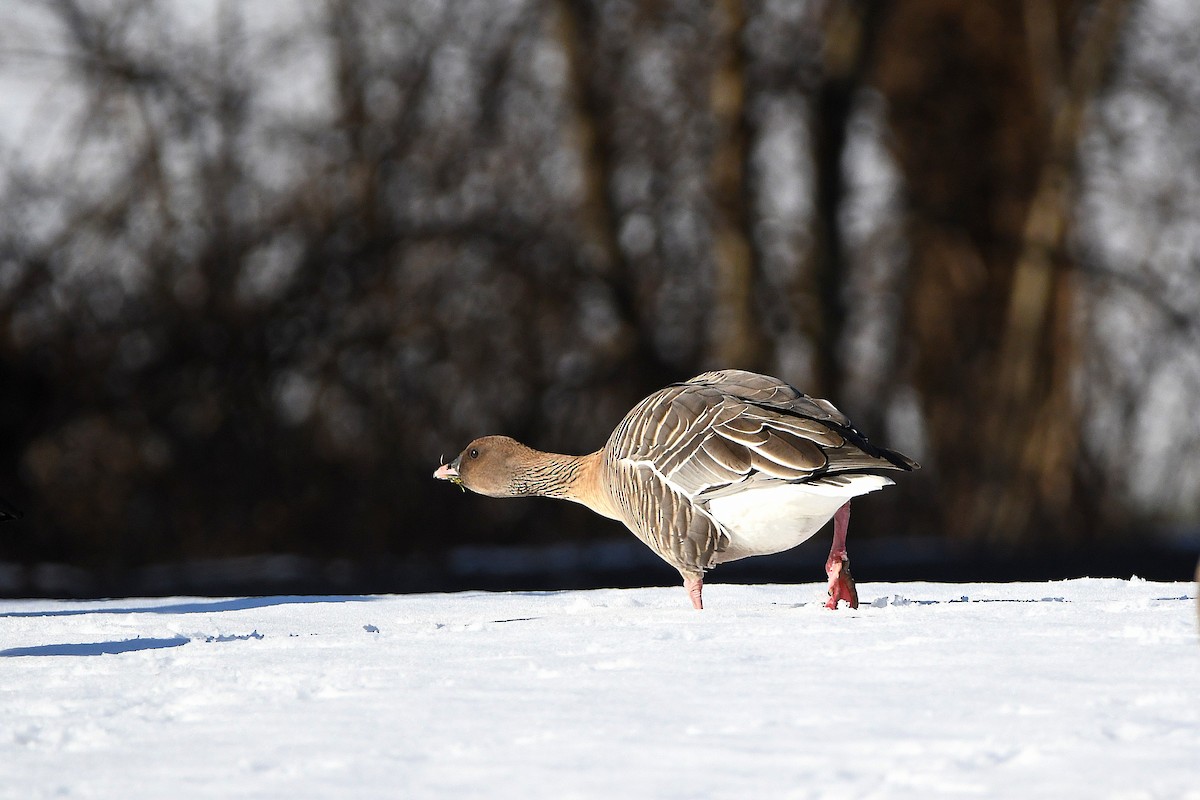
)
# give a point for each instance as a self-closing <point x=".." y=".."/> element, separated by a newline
<point x="899" y="459"/>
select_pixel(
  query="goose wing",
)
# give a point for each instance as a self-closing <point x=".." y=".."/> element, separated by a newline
<point x="722" y="432"/>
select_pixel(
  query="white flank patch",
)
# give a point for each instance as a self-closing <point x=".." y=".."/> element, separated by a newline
<point x="782" y="515"/>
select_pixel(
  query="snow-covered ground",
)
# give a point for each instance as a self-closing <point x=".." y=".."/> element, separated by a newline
<point x="1084" y="688"/>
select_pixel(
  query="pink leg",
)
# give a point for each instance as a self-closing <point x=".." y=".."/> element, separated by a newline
<point x="841" y="582"/>
<point x="694" y="585"/>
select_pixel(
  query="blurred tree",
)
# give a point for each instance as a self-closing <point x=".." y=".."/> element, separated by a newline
<point x="260" y="268"/>
<point x="986" y="108"/>
<point x="736" y="334"/>
<point x="851" y="31"/>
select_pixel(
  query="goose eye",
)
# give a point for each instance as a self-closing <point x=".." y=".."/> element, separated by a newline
<point x="474" y="453"/>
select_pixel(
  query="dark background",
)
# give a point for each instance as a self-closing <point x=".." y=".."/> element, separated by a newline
<point x="262" y="266"/>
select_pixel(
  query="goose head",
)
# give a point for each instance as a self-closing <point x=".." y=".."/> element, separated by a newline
<point x="496" y="466"/>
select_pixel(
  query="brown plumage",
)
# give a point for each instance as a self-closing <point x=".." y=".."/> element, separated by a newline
<point x="727" y="465"/>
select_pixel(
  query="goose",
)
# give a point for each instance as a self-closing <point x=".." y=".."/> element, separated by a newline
<point x="727" y="465"/>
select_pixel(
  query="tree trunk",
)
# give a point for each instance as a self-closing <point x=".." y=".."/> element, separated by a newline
<point x="986" y="104"/>
<point x="737" y="340"/>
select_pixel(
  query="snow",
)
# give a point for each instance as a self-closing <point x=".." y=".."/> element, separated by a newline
<point x="1083" y="688"/>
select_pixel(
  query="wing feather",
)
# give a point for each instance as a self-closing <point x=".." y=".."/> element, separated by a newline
<point x="732" y="457"/>
<point x="792" y="452"/>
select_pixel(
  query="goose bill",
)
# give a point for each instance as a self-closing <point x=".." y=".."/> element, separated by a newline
<point x="448" y="472"/>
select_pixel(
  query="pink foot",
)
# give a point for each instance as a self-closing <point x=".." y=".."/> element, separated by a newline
<point x="694" y="587"/>
<point x="841" y="582"/>
<point x="837" y="567"/>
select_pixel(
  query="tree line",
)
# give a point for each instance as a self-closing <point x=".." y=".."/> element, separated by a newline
<point x="257" y="274"/>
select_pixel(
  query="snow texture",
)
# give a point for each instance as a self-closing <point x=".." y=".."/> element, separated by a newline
<point x="1084" y="688"/>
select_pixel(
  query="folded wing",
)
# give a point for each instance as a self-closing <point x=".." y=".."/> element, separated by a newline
<point x="724" y="432"/>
